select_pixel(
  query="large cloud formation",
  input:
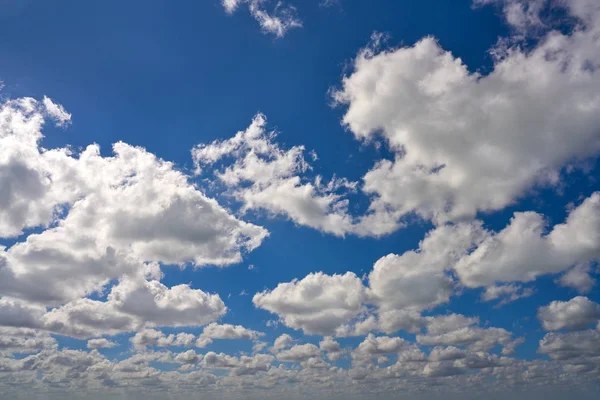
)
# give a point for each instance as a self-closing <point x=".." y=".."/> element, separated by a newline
<point x="98" y="220"/>
<point x="466" y="142"/>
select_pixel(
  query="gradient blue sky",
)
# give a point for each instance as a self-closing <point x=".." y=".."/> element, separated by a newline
<point x="171" y="75"/>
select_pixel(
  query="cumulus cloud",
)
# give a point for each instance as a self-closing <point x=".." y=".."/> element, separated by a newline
<point x="418" y="279"/>
<point x="299" y="352"/>
<point x="132" y="305"/>
<point x="227" y="331"/>
<point x="276" y="20"/>
<point x="506" y="293"/>
<point x="458" y="330"/>
<point x="101" y="343"/>
<point x="575" y="314"/>
<point x="282" y="342"/>
<point x="523" y="251"/>
<point x="374" y="346"/>
<point x="117" y="214"/>
<point x="317" y="304"/>
<point x="579" y="278"/>
<point x="24" y="341"/>
<point x="263" y="176"/>
<point x="99" y="220"/>
<point x="153" y="338"/>
<point x="569" y="346"/>
<point x="331" y="347"/>
<point x="465" y="142"/>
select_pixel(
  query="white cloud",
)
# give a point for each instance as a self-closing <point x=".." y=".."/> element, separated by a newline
<point x="57" y="112"/>
<point x="132" y="305"/>
<point x="379" y="345"/>
<point x="153" y="338"/>
<point x="567" y="346"/>
<point x="466" y="142"/>
<point x="243" y="365"/>
<point x="263" y="176"/>
<point x="101" y="343"/>
<point x="227" y="331"/>
<point x="188" y="357"/>
<point x="24" y="341"/>
<point x="331" y="347"/>
<point x="231" y="5"/>
<point x="317" y="304"/>
<point x="522" y="15"/>
<point x="277" y="20"/>
<point x="299" y="352"/>
<point x="578" y="278"/>
<point x="523" y="251"/>
<point x="116" y="214"/>
<point x="507" y="293"/>
<point x="458" y="330"/>
<point x="575" y="314"/>
<point x="282" y="342"/>
<point x="418" y="279"/>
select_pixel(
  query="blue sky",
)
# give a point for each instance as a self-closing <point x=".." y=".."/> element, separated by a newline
<point x="406" y="189"/>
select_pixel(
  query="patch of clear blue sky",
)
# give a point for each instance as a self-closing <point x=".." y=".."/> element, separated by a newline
<point x="167" y="75"/>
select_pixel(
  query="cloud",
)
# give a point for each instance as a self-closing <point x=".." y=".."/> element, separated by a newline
<point x="227" y="331"/>
<point x="277" y="21"/>
<point x="374" y="346"/>
<point x="57" y="112"/>
<point x="109" y="215"/>
<point x="24" y="341"/>
<point x="263" y="176"/>
<point x="507" y="293"/>
<point x="317" y="304"/>
<point x="578" y="278"/>
<point x="282" y="342"/>
<point x="465" y="142"/>
<point x="331" y="347"/>
<point x="575" y="314"/>
<point x="153" y="338"/>
<point x="101" y="343"/>
<point x="299" y="352"/>
<point x="418" y="279"/>
<point x="523" y="251"/>
<point x="133" y="305"/>
<point x="458" y="330"/>
<point x="568" y="346"/>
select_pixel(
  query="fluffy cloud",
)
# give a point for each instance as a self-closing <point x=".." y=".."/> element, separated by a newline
<point x="118" y="213"/>
<point x="101" y="343"/>
<point x="466" y="142"/>
<point x="227" y="331"/>
<point x="277" y="21"/>
<point x="282" y="342"/>
<point x="578" y="278"/>
<point x="154" y="338"/>
<point x="507" y="293"/>
<point x="132" y="305"/>
<point x="523" y="251"/>
<point x="261" y="175"/>
<point x="575" y="314"/>
<point x="24" y="341"/>
<point x="458" y="330"/>
<point x="299" y="352"/>
<point x="418" y="279"/>
<point x="331" y="347"/>
<point x="374" y="346"/>
<point x="317" y="304"/>
<point x="571" y="345"/>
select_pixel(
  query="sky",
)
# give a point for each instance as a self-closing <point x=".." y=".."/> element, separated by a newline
<point x="258" y="199"/>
